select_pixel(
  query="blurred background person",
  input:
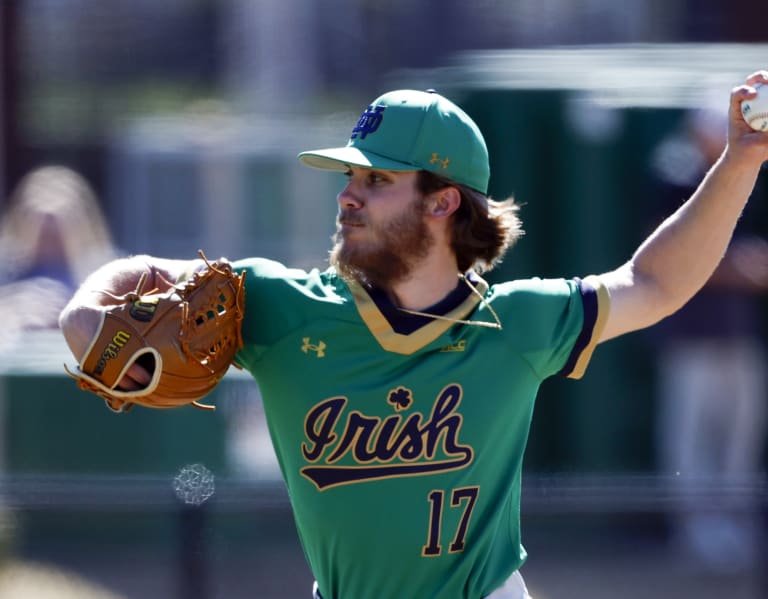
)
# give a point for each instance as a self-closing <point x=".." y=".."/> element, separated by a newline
<point x="52" y="234"/>
<point x="711" y="372"/>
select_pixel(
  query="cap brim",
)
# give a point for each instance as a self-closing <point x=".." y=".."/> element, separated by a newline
<point x="339" y="159"/>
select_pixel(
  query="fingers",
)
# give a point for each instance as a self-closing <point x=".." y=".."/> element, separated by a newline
<point x="757" y="77"/>
<point x="747" y="91"/>
<point x="135" y="378"/>
<point x="741" y="93"/>
<point x="738" y="95"/>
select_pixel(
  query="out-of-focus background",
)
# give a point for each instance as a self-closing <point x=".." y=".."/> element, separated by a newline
<point x="137" y="126"/>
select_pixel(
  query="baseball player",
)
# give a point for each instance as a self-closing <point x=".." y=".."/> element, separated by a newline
<point x="398" y="385"/>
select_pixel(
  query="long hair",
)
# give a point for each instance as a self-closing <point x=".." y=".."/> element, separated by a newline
<point x="483" y="229"/>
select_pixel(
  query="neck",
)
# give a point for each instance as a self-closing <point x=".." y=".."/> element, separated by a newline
<point x="427" y="284"/>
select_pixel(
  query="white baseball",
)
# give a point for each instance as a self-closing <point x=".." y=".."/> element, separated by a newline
<point x="755" y="111"/>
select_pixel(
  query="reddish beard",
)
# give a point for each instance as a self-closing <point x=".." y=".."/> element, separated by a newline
<point x="398" y="246"/>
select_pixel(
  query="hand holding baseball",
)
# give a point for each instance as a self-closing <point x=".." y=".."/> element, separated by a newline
<point x="755" y="111"/>
<point x="748" y="131"/>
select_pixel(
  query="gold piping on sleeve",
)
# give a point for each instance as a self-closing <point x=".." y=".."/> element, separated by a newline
<point x="603" y="308"/>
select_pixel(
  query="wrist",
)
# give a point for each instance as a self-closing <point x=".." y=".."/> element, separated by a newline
<point x="747" y="153"/>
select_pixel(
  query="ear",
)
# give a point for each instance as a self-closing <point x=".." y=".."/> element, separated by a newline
<point x="444" y="202"/>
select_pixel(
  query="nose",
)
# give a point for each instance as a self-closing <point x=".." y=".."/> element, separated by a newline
<point x="348" y="198"/>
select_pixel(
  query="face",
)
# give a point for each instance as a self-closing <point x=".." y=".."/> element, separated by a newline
<point x="381" y="233"/>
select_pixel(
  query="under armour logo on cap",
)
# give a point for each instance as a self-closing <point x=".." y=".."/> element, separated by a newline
<point x="369" y="122"/>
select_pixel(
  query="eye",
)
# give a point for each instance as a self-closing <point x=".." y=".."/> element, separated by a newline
<point x="376" y="178"/>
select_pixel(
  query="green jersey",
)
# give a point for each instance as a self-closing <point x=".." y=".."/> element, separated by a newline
<point x="401" y="436"/>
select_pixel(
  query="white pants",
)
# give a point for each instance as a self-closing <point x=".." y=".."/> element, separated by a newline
<point x="513" y="588"/>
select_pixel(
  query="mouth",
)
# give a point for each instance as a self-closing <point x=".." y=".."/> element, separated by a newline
<point x="346" y="223"/>
<point x="347" y="219"/>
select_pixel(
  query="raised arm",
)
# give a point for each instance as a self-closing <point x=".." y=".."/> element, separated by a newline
<point x="677" y="259"/>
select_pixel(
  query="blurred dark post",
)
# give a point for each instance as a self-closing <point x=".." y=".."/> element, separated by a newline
<point x="760" y="495"/>
<point x="193" y="551"/>
<point x="9" y="88"/>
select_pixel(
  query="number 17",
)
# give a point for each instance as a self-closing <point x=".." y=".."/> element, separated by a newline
<point x="436" y="503"/>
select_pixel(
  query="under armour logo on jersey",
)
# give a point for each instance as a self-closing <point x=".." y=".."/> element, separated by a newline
<point x="318" y="348"/>
<point x="444" y="162"/>
<point x="369" y="122"/>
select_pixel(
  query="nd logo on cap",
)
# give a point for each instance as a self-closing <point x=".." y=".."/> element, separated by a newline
<point x="409" y="130"/>
<point x="369" y="122"/>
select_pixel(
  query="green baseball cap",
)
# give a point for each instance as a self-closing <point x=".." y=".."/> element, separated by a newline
<point x="407" y="130"/>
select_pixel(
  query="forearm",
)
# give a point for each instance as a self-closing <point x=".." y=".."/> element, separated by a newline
<point x="681" y="255"/>
<point x="677" y="259"/>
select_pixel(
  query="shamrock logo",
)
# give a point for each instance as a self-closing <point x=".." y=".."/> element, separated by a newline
<point x="401" y="398"/>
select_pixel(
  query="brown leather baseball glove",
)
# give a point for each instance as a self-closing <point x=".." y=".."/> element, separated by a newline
<point x="185" y="338"/>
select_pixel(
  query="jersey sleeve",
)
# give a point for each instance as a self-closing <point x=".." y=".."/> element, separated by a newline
<point x="278" y="300"/>
<point x="554" y="324"/>
<point x="595" y="303"/>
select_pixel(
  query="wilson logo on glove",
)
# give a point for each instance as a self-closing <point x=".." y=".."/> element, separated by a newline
<point x="144" y="309"/>
<point x="113" y="348"/>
